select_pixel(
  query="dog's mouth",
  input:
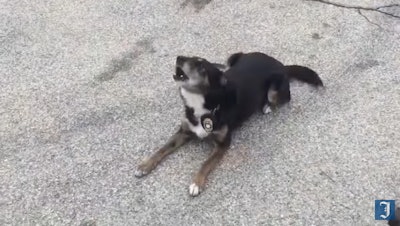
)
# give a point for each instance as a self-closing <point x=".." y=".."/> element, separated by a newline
<point x="180" y="75"/>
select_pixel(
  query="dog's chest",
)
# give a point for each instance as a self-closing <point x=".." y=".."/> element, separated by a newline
<point x="195" y="102"/>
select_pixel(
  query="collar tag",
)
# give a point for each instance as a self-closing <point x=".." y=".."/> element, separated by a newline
<point x="208" y="125"/>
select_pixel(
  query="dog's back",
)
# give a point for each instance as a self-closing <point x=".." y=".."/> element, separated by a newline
<point x="250" y="74"/>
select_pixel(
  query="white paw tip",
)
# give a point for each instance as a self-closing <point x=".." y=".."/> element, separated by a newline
<point x="140" y="173"/>
<point x="194" y="190"/>
<point x="266" y="109"/>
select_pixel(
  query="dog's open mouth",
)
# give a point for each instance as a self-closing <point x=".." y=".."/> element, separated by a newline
<point x="180" y="75"/>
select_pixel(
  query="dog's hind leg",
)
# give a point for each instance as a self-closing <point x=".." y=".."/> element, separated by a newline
<point x="270" y="101"/>
<point x="278" y="94"/>
<point x="283" y="95"/>
<point x="182" y="136"/>
<point x="222" y="140"/>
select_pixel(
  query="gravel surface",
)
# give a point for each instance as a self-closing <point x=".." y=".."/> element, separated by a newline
<point x="86" y="92"/>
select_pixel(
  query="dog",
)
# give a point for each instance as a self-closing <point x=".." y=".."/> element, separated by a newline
<point x="219" y="98"/>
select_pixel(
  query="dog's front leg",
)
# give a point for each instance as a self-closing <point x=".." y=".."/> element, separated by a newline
<point x="222" y="141"/>
<point x="182" y="136"/>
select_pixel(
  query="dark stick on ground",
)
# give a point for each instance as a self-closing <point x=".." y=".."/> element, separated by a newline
<point x="375" y="9"/>
<point x="369" y="21"/>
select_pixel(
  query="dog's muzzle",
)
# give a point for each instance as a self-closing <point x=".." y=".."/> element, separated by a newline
<point x="180" y="60"/>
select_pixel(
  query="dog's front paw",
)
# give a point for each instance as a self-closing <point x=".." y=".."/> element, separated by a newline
<point x="140" y="173"/>
<point x="194" y="190"/>
<point x="144" y="168"/>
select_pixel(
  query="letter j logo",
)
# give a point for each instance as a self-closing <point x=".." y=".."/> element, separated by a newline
<point x="384" y="210"/>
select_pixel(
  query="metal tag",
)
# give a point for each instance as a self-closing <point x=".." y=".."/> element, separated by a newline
<point x="208" y="125"/>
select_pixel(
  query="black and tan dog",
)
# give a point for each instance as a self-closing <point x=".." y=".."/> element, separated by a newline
<point x="219" y="101"/>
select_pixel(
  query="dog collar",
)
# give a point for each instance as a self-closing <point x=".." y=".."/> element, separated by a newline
<point x="208" y="121"/>
<point x="208" y="125"/>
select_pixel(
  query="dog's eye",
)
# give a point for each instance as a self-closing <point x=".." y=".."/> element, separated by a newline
<point x="180" y="75"/>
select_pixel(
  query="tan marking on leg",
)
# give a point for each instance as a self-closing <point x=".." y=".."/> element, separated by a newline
<point x="181" y="137"/>
<point x="273" y="96"/>
<point x="219" y="135"/>
<point x="221" y="146"/>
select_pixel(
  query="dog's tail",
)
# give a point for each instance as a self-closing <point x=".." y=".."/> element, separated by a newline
<point x="303" y="74"/>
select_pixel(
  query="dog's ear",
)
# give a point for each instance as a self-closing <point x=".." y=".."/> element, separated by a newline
<point x="215" y="75"/>
<point x="220" y="67"/>
<point x="202" y="69"/>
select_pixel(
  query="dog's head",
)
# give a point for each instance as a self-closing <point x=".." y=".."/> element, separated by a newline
<point x="195" y="72"/>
